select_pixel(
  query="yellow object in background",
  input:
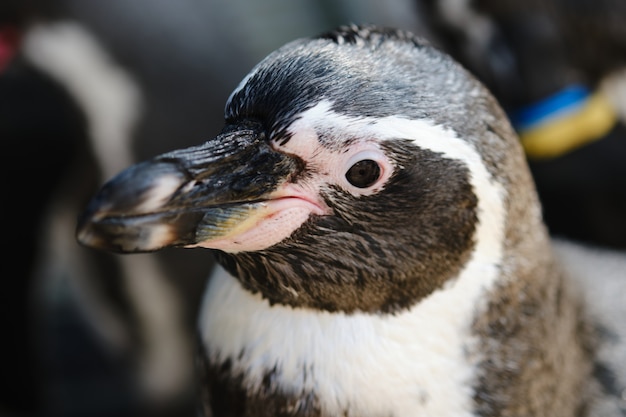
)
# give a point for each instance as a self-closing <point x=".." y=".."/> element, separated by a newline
<point x="566" y="131"/>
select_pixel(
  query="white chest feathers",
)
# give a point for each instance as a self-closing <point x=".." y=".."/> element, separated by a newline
<point x="419" y="362"/>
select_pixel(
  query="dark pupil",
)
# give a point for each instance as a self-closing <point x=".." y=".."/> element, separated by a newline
<point x="363" y="174"/>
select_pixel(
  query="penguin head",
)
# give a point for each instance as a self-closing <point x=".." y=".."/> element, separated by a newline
<point x="359" y="170"/>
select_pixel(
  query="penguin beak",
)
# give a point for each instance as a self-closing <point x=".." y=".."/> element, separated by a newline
<point x="189" y="196"/>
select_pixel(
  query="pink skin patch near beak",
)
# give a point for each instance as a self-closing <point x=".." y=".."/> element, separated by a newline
<point x="273" y="221"/>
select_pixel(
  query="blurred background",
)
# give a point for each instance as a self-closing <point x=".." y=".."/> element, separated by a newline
<point x="88" y="87"/>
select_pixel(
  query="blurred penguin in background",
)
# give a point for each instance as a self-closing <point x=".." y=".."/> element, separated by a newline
<point x="41" y="130"/>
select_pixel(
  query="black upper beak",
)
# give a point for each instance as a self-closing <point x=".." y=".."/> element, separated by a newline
<point x="186" y="196"/>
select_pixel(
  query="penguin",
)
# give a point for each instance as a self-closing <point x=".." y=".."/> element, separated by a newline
<point x="380" y="245"/>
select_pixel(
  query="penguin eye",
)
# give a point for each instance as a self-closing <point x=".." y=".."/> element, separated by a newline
<point x="364" y="173"/>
